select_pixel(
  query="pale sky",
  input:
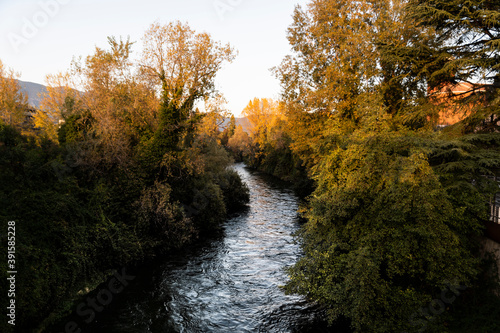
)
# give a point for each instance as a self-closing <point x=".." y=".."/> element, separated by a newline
<point x="40" y="37"/>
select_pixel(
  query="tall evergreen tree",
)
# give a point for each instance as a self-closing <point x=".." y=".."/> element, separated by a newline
<point x="462" y="52"/>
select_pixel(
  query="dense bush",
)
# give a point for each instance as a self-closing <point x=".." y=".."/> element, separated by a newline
<point x="76" y="221"/>
<point x="383" y="234"/>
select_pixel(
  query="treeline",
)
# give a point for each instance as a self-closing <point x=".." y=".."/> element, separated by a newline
<point x="394" y="224"/>
<point x="114" y="168"/>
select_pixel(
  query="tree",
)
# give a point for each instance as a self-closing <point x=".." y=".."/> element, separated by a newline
<point x="463" y="50"/>
<point x="214" y="116"/>
<point x="240" y="144"/>
<point x="397" y="208"/>
<point x="270" y="140"/>
<point x="260" y="113"/>
<point x="337" y="65"/>
<point x="13" y="102"/>
<point x="183" y="65"/>
<point x="231" y="127"/>
<point x="108" y="76"/>
<point x="124" y="108"/>
<point x="61" y="100"/>
<point x="383" y="234"/>
<point x="228" y="131"/>
<point x="333" y="59"/>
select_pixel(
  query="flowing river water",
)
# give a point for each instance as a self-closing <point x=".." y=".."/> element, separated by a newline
<point x="230" y="283"/>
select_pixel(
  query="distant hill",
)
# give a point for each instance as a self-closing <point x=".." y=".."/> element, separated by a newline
<point x="33" y="90"/>
<point x="243" y="121"/>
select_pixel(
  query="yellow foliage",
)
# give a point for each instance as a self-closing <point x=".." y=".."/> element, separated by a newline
<point x="265" y="115"/>
<point x="181" y="62"/>
<point x="60" y="100"/>
<point x="214" y="117"/>
<point x="121" y="104"/>
<point x="240" y="143"/>
<point x="13" y="103"/>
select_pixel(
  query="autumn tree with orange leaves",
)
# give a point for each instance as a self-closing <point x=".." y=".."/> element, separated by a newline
<point x="61" y="100"/>
<point x="13" y="102"/>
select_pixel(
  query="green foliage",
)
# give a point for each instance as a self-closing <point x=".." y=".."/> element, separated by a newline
<point x="459" y="48"/>
<point x="232" y="127"/>
<point x="76" y="127"/>
<point x="476" y="311"/>
<point x="213" y="189"/>
<point x="77" y="220"/>
<point x="462" y="165"/>
<point x="166" y="138"/>
<point x="129" y="177"/>
<point x="398" y="207"/>
<point x="236" y="192"/>
<point x="161" y="218"/>
<point x="383" y="233"/>
<point x="465" y="38"/>
<point x="229" y="131"/>
<point x="281" y="162"/>
<point x="8" y="135"/>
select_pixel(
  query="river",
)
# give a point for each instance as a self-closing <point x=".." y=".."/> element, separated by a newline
<point x="229" y="283"/>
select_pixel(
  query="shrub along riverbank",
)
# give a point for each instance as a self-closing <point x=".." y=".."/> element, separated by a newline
<point x="74" y="223"/>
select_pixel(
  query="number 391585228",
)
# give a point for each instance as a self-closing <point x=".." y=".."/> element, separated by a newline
<point x="11" y="241"/>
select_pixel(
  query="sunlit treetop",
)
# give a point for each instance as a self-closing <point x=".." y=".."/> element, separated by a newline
<point x="184" y="63"/>
<point x="13" y="102"/>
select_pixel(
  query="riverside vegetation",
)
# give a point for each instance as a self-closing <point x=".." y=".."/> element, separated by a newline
<point x="128" y="174"/>
<point x="398" y="203"/>
<point x="395" y="205"/>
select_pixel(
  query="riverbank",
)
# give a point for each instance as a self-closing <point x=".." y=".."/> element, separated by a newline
<point x="80" y="218"/>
